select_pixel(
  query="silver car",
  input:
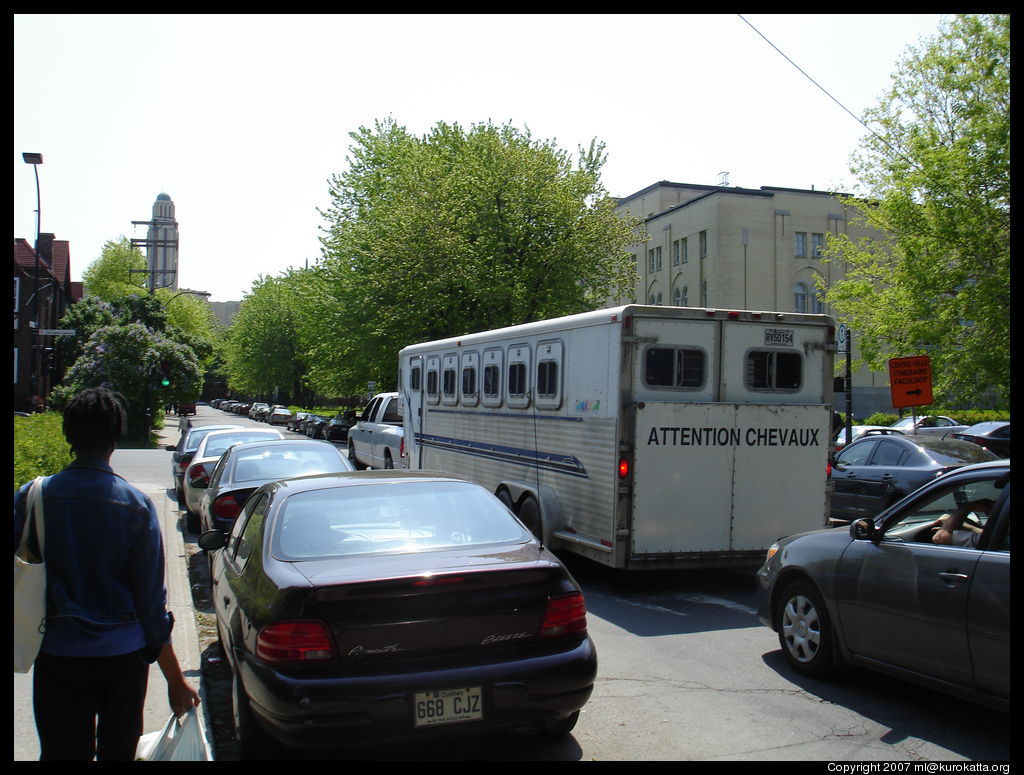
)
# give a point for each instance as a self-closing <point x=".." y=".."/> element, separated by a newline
<point x="929" y="425"/>
<point x="883" y="595"/>
<point x="197" y="475"/>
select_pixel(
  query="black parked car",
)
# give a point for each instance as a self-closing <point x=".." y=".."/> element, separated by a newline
<point x="993" y="436"/>
<point x="314" y="426"/>
<point x="883" y="595"/>
<point x="381" y="606"/>
<point x="874" y="472"/>
<point x="244" y="467"/>
<point x="337" y="428"/>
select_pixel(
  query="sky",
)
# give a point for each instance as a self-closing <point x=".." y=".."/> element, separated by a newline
<point x="243" y="119"/>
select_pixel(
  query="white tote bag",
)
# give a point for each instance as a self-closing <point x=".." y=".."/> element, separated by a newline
<point x="29" y="587"/>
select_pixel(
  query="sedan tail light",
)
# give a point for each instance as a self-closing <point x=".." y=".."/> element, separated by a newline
<point x="226" y="507"/>
<point x="565" y="615"/>
<point x="306" y="641"/>
<point x="198" y="471"/>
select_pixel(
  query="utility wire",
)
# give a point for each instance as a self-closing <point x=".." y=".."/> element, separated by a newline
<point x="826" y="92"/>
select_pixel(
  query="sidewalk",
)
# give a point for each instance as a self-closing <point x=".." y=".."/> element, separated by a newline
<point x="159" y="488"/>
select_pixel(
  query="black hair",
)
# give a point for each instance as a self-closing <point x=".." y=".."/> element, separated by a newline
<point x="94" y="421"/>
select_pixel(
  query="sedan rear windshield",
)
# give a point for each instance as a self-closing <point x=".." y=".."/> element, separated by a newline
<point x="285" y="461"/>
<point x="216" y="445"/>
<point x="392" y="518"/>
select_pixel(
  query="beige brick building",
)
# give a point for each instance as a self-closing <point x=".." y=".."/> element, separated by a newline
<point x="745" y="248"/>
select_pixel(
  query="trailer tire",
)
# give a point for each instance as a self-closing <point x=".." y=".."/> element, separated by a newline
<point x="504" y="497"/>
<point x="529" y="515"/>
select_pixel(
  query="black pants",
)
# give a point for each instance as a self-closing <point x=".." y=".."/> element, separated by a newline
<point x="89" y="706"/>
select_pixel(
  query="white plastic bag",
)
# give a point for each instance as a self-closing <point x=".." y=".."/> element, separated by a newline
<point x="182" y="741"/>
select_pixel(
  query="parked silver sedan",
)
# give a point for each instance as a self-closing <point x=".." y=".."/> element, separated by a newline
<point x="929" y="425"/>
<point x="891" y="595"/>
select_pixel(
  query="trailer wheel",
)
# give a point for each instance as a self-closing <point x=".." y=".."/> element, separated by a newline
<point x="505" y="498"/>
<point x="529" y="515"/>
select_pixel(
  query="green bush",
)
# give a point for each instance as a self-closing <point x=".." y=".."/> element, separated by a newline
<point x="40" y="448"/>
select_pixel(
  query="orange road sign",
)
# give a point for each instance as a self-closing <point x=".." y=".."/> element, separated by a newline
<point x="910" y="380"/>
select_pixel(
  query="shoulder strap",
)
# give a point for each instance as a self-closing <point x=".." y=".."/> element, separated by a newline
<point x="33" y="512"/>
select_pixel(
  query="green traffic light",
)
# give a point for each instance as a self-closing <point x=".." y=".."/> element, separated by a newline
<point x="165" y="382"/>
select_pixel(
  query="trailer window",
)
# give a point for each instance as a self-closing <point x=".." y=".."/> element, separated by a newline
<point x="432" y="379"/>
<point x="492" y="381"/>
<point x="414" y="378"/>
<point x="517" y="379"/>
<point x="448" y="384"/>
<point x="492" y="361"/>
<point x="517" y="382"/>
<point x="674" y="367"/>
<point x="774" y="370"/>
<point x="549" y="379"/>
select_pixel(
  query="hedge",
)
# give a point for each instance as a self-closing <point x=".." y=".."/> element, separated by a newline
<point x="40" y="448"/>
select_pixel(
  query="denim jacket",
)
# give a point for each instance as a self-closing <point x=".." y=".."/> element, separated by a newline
<point x="104" y="564"/>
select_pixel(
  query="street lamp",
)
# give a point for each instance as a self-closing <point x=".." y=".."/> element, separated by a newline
<point x="35" y="159"/>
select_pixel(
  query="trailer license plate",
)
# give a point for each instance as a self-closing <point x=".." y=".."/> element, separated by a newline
<point x="448" y="706"/>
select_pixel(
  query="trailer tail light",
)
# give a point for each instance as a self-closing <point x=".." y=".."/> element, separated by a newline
<point x="226" y="507"/>
<point x="307" y="641"/>
<point x="401" y="449"/>
<point x="565" y="615"/>
<point x="623" y="467"/>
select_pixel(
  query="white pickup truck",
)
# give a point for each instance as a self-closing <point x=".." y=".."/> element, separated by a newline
<point x="377" y="440"/>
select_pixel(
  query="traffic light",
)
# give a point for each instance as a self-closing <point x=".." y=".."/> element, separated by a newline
<point x="165" y="374"/>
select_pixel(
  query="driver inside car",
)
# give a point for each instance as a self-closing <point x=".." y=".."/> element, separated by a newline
<point x="951" y="530"/>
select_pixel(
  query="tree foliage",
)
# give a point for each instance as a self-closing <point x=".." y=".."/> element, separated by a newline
<point x="457" y="231"/>
<point x="262" y="356"/>
<point x="115" y="273"/>
<point x="937" y="174"/>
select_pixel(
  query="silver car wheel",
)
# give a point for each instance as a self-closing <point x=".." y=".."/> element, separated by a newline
<point x="801" y="628"/>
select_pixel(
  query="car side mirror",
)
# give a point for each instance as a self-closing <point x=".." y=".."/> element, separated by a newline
<point x="212" y="540"/>
<point x="862" y="530"/>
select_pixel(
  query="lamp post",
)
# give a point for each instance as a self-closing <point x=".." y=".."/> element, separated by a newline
<point x="35" y="159"/>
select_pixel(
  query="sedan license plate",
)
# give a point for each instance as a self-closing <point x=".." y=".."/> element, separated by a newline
<point x="448" y="706"/>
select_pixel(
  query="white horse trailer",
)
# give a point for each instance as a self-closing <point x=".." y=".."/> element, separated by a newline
<point x="637" y="436"/>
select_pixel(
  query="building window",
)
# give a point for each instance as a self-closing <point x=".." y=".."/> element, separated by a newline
<point x="703" y="244"/>
<point x="677" y="298"/>
<point x="677" y="252"/>
<point x="654" y="259"/>
<point x="817" y="243"/>
<point x="800" y="244"/>
<point x="686" y="250"/>
<point x="800" y="298"/>
<point x="684" y="297"/>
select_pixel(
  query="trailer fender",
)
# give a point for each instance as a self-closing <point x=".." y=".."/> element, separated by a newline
<point x="515" y="495"/>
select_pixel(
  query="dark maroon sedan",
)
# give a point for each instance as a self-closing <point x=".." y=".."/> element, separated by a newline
<point x="377" y="606"/>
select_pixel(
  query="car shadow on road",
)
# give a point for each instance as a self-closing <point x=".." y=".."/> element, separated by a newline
<point x="907" y="710"/>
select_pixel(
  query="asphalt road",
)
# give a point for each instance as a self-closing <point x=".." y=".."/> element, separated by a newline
<point x="687" y="673"/>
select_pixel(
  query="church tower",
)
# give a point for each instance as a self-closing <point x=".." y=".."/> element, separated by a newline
<point x="162" y="244"/>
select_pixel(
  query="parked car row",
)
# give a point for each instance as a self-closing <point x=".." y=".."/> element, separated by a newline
<point x="363" y="607"/>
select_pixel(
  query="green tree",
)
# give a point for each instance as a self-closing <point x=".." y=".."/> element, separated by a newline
<point x="115" y="273"/>
<point x="262" y="356"/>
<point x="936" y="168"/>
<point x="456" y="231"/>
